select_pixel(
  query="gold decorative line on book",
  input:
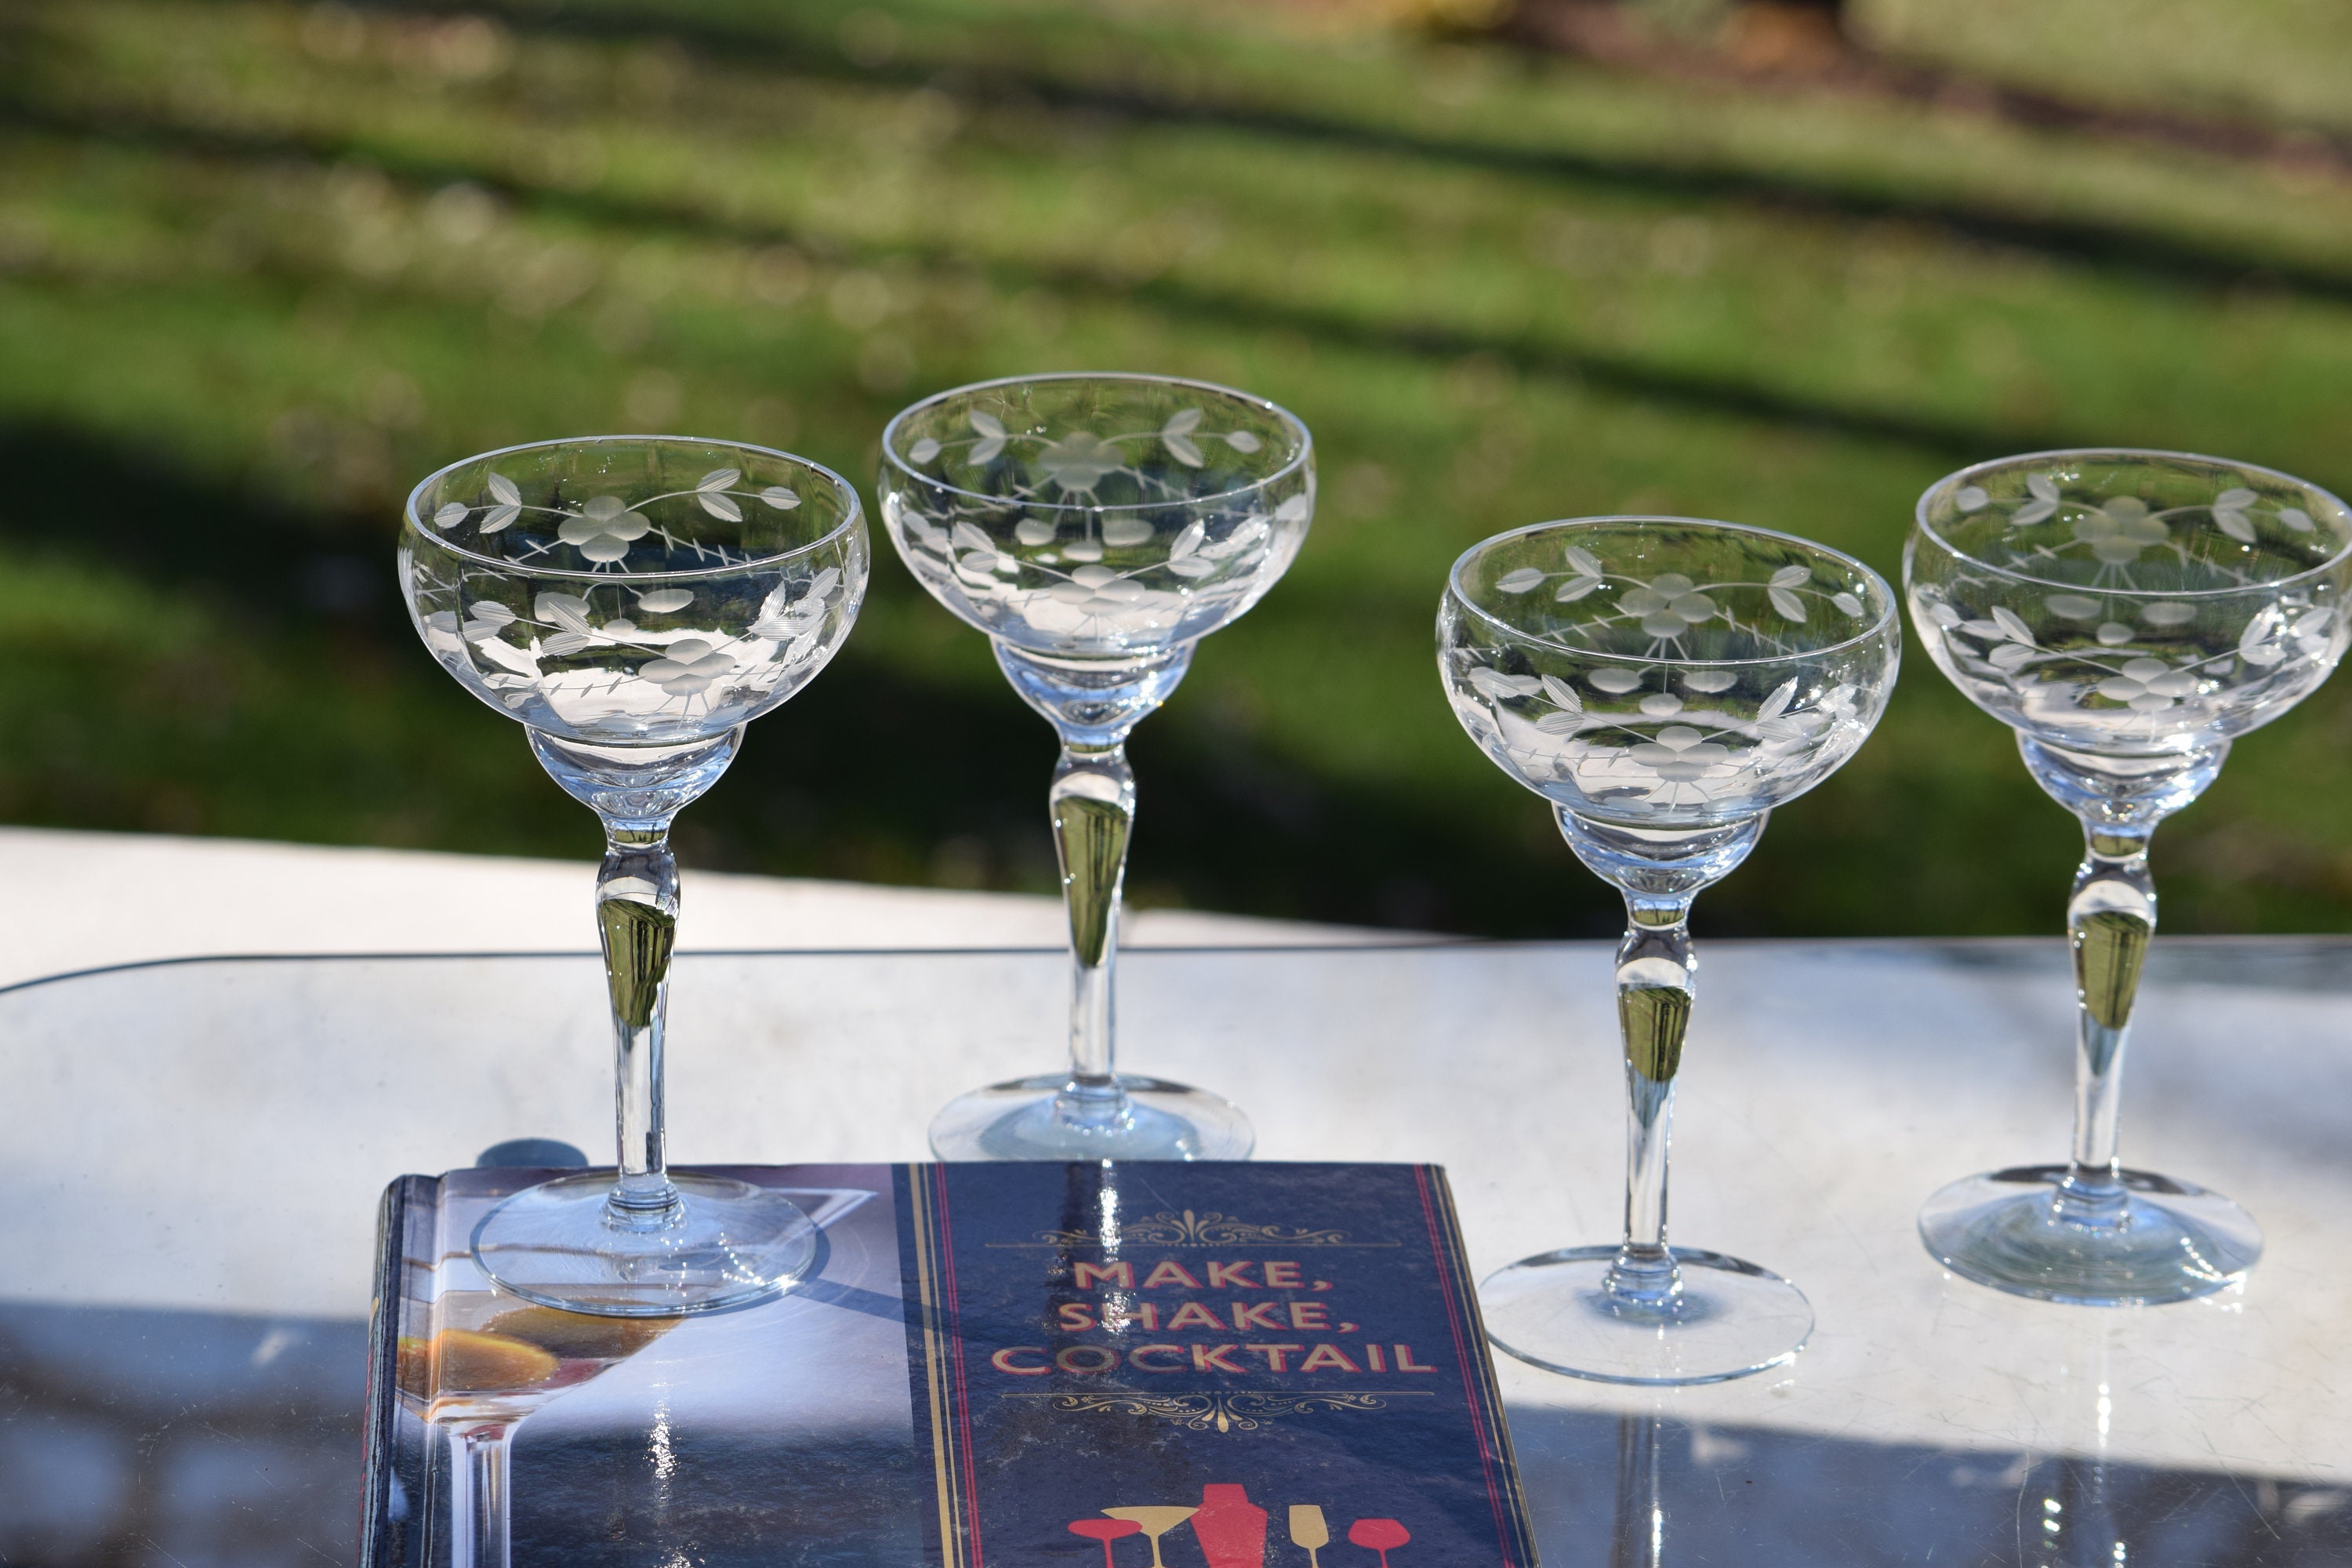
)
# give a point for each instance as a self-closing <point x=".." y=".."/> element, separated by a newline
<point x="944" y="1471"/>
<point x="1241" y="1410"/>
<point x="1209" y="1228"/>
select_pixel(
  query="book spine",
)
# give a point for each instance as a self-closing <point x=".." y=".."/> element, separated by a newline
<point x="1495" y="1457"/>
<point x="386" y="1537"/>
<point x="942" y="1421"/>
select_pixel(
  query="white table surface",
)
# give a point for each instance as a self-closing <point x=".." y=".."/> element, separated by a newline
<point x="191" y="1118"/>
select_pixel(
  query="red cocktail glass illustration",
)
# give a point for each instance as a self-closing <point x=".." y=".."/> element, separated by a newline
<point x="1104" y="1531"/>
<point x="1383" y="1535"/>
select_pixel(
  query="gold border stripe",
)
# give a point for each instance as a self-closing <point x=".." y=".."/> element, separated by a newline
<point x="934" y="1357"/>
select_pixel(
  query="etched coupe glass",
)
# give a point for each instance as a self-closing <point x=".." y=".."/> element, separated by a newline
<point x="1664" y="683"/>
<point x="2128" y="613"/>
<point x="634" y="601"/>
<point x="1095" y="527"/>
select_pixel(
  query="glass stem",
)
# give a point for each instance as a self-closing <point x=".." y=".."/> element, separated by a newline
<point x="1093" y="805"/>
<point x="1654" y="970"/>
<point x="1660" y="871"/>
<point x="2110" y="920"/>
<point x="1094" y="704"/>
<point x="637" y="919"/>
<point x="478" y="1469"/>
<point x="637" y="791"/>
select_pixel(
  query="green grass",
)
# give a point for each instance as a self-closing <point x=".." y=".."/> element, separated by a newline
<point x="261" y="266"/>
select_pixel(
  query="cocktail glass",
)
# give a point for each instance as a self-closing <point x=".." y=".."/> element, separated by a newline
<point x="633" y="601"/>
<point x="1664" y="683"/>
<point x="2128" y="613"/>
<point x="1095" y="527"/>
<point x="488" y="1361"/>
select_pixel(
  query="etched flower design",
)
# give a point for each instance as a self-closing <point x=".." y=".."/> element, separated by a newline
<point x="1097" y="589"/>
<point x="1671" y="605"/>
<point x="1081" y="460"/>
<point x="688" y="667"/>
<point x="1683" y="758"/>
<point x="2121" y="528"/>
<point x="603" y="530"/>
<point x="2116" y="531"/>
<point x="1077" y="462"/>
<point x="2148" y="685"/>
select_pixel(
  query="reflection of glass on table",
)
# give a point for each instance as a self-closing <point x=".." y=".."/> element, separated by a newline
<point x="163" y="1357"/>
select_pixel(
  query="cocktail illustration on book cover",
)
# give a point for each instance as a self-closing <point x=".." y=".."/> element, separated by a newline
<point x="1231" y="1530"/>
<point x="1154" y="1366"/>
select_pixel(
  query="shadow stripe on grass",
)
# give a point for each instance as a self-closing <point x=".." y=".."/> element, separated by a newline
<point x="2140" y="249"/>
<point x="1716" y="393"/>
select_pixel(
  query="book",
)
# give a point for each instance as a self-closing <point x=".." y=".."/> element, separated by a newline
<point x="1161" y="1365"/>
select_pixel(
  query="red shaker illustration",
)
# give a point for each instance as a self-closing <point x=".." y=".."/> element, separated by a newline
<point x="1230" y="1528"/>
<point x="1383" y="1535"/>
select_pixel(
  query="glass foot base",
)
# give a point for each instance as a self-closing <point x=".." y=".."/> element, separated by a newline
<point x="1731" y="1318"/>
<point x="1037" y="1119"/>
<point x="2170" y="1242"/>
<point x="725" y="1243"/>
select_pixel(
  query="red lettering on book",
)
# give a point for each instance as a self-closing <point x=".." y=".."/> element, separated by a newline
<point x="1170" y="1273"/>
<point x="1086" y="1360"/>
<point x="1077" y="1317"/>
<point x="1322" y="1356"/>
<point x="1231" y="1275"/>
<point x="1283" y="1276"/>
<point x="1259" y="1315"/>
<point x="1135" y="1358"/>
<point x="1372" y="1358"/>
<point x="1309" y="1315"/>
<point x="1119" y="1274"/>
<point x="1212" y="1358"/>
<point x="1274" y="1354"/>
<point x="1193" y="1315"/>
<point x="1405" y="1362"/>
<point x="1003" y="1361"/>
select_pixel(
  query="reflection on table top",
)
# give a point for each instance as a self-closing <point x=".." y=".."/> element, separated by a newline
<point x="199" y="1146"/>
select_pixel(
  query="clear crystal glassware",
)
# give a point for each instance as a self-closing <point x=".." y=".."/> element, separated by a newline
<point x="1664" y="683"/>
<point x="1095" y="527"/>
<point x="633" y="601"/>
<point x="2128" y="613"/>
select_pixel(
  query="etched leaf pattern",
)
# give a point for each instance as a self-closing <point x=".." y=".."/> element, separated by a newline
<point x="1712" y="750"/>
<point x="623" y="659"/>
<point x="2138" y="659"/>
<point x="603" y="528"/>
<point x="1020" y="533"/>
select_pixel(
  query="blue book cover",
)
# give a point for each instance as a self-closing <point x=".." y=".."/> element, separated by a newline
<point x="1245" y="1365"/>
<point x="1148" y="1365"/>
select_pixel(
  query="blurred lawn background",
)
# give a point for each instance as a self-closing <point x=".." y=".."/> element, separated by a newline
<point x="262" y="265"/>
